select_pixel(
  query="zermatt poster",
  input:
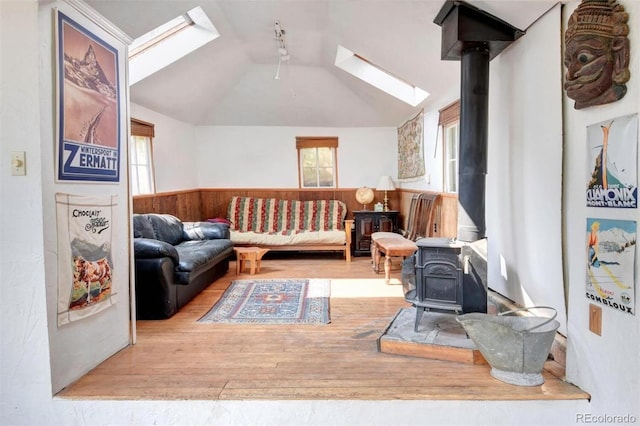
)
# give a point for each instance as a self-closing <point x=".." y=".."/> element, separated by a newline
<point x="88" y="147"/>
<point x="612" y="163"/>
<point x="610" y="250"/>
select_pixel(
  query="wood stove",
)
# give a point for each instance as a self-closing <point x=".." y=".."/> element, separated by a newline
<point x="445" y="276"/>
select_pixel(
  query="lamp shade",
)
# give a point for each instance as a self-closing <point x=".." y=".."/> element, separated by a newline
<point x="385" y="184"/>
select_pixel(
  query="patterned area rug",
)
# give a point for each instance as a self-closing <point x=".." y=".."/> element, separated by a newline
<point x="286" y="301"/>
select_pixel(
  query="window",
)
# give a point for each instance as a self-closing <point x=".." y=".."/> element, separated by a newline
<point x="141" y="157"/>
<point x="450" y="122"/>
<point x="369" y="72"/>
<point x="168" y="43"/>
<point x="317" y="162"/>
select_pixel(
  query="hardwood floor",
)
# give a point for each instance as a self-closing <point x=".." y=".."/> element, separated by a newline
<point x="179" y="358"/>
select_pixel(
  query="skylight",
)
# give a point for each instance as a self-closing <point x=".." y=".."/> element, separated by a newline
<point x="366" y="71"/>
<point x="169" y="42"/>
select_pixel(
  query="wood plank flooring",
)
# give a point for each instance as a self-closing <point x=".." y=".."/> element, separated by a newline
<point x="179" y="358"/>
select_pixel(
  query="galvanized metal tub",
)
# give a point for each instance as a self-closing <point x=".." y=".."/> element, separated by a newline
<point x="516" y="347"/>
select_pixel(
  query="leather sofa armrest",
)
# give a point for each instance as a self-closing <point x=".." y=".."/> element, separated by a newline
<point x="206" y="231"/>
<point x="156" y="296"/>
<point x="146" y="248"/>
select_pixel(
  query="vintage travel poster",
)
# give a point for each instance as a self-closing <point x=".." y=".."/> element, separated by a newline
<point x="88" y="147"/>
<point x="612" y="163"/>
<point x="411" y="148"/>
<point x="85" y="264"/>
<point x="610" y="256"/>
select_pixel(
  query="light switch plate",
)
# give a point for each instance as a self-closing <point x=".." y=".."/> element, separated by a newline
<point x="18" y="163"/>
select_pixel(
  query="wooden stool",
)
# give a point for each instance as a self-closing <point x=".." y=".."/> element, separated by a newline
<point x="391" y="247"/>
<point x="249" y="254"/>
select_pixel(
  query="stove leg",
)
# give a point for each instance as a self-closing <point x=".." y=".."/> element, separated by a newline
<point x="419" y="312"/>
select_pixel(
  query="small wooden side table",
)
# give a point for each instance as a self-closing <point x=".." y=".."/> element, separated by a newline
<point x="366" y="222"/>
<point x="253" y="255"/>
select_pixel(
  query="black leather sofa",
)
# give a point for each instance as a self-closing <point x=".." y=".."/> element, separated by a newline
<point x="175" y="261"/>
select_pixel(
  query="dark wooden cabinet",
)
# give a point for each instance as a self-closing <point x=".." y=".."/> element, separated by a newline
<point x="367" y="222"/>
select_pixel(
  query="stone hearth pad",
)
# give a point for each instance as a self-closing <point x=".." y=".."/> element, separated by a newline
<point x="439" y="337"/>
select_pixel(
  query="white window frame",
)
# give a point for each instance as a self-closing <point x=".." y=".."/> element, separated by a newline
<point x="449" y="122"/>
<point x="314" y="143"/>
<point x="367" y="71"/>
<point x="141" y="170"/>
<point x="169" y="42"/>
<point x="451" y="142"/>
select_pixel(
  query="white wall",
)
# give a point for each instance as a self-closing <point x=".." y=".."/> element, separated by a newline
<point x="268" y="157"/>
<point x="432" y="145"/>
<point x="173" y="146"/>
<point x="524" y="175"/>
<point x="81" y="345"/>
<point x="607" y="366"/>
<point x="37" y="356"/>
<point x="364" y="154"/>
<point x="25" y="369"/>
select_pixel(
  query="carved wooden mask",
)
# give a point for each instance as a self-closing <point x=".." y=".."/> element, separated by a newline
<point x="597" y="53"/>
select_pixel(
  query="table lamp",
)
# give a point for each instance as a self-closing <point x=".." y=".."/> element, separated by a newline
<point x="385" y="184"/>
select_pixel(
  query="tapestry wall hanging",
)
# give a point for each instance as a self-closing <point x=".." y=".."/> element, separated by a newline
<point x="611" y="251"/>
<point x="612" y="163"/>
<point x="411" y="148"/>
<point x="85" y="265"/>
<point x="88" y="146"/>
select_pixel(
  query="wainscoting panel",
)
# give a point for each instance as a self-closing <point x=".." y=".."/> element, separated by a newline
<point x="215" y="201"/>
<point x="202" y="204"/>
<point x="186" y="205"/>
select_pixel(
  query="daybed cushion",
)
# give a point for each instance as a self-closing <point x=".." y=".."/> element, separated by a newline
<point x="270" y="221"/>
<point x="285" y="216"/>
<point x="262" y="238"/>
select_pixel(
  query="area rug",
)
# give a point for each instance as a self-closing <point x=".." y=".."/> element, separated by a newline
<point x="273" y="301"/>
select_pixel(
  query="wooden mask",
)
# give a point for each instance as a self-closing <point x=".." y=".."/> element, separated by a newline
<point x="597" y="53"/>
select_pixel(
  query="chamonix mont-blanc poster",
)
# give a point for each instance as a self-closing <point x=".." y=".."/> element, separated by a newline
<point x="612" y="163"/>
<point x="610" y="251"/>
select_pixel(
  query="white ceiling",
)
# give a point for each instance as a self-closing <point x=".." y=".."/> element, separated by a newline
<point x="231" y="81"/>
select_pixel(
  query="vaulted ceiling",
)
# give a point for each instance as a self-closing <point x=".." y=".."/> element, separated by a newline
<point x="231" y="81"/>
